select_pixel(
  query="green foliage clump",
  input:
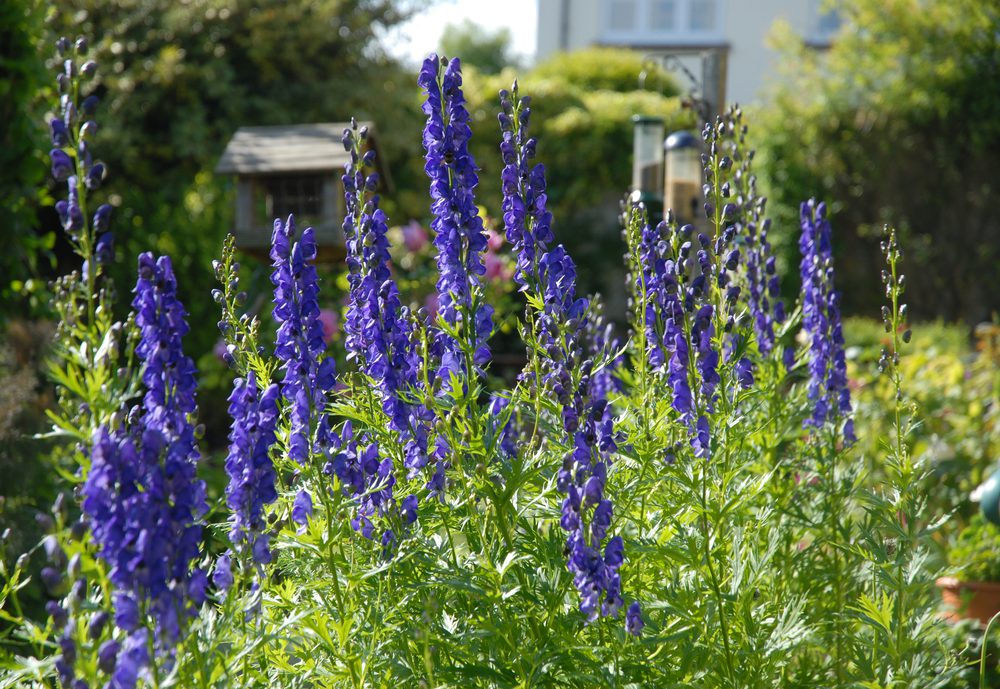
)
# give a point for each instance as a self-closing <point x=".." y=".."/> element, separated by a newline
<point x="176" y="79"/>
<point x="898" y="122"/>
<point x="486" y="50"/>
<point x="975" y="553"/>
<point x="21" y="165"/>
<point x="957" y="390"/>
<point x="605" y="69"/>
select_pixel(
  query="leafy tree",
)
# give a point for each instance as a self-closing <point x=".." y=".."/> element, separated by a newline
<point x="21" y="164"/>
<point x="180" y="77"/>
<point x="899" y="122"/>
<point x="479" y="47"/>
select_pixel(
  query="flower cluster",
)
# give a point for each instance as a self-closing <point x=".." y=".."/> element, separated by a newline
<point x="601" y="345"/>
<point x="378" y="327"/>
<point x="248" y="464"/>
<point x="527" y="222"/>
<point x="309" y="375"/>
<point x="300" y="346"/>
<point x="583" y="477"/>
<point x="562" y="334"/>
<point x="762" y="282"/>
<point x="72" y="162"/>
<point x="828" y="389"/>
<point x="380" y="337"/>
<point x="142" y="494"/>
<point x="459" y="236"/>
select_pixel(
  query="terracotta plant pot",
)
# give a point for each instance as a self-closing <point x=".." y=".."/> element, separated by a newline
<point x="979" y="600"/>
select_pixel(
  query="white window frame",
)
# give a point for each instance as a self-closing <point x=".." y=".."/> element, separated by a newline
<point x="681" y="35"/>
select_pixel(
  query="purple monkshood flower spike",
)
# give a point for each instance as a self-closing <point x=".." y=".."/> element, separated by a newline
<point x="562" y="332"/>
<point x="379" y="337"/>
<point x="142" y="493"/>
<point x="527" y="222"/>
<point x="309" y="375"/>
<point x="248" y="464"/>
<point x="378" y="327"/>
<point x="827" y="389"/>
<point x="459" y="236"/>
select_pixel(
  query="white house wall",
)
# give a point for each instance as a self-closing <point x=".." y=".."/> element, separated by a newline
<point x="743" y="29"/>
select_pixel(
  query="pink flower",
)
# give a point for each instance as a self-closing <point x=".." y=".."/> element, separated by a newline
<point x="494" y="240"/>
<point x="494" y="266"/>
<point x="414" y="236"/>
<point x="329" y="320"/>
<point x="431" y="303"/>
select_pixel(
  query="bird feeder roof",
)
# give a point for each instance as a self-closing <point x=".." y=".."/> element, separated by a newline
<point x="287" y="149"/>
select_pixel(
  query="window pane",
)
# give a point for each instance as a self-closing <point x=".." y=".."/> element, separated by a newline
<point x="300" y="195"/>
<point x="703" y="15"/>
<point x="661" y="15"/>
<point x="623" y="15"/>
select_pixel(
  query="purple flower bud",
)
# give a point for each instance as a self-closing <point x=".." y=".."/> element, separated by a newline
<point x="60" y="136"/>
<point x="107" y="656"/>
<point x="302" y="509"/>
<point x="101" y="217"/>
<point x="54" y="581"/>
<point x="62" y="165"/>
<point x="54" y="553"/>
<point x="89" y="69"/>
<point x="89" y="105"/>
<point x="57" y="613"/>
<point x="633" y="619"/>
<point x="97" y="624"/>
<point x="104" y="250"/>
<point x="94" y="177"/>
<point x="88" y="129"/>
<point x="223" y="575"/>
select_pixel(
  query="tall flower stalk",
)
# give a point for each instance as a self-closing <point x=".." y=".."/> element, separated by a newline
<point x="142" y="494"/>
<point x="559" y="328"/>
<point x="380" y="338"/>
<point x="828" y="391"/>
<point x="459" y="235"/>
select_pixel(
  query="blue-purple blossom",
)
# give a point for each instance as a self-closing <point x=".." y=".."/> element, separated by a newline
<point x="60" y="137"/>
<point x="142" y="494"/>
<point x="248" y="464"/>
<point x="827" y="390"/>
<point x="633" y="619"/>
<point x="365" y="475"/>
<point x="308" y="373"/>
<point x="68" y="209"/>
<point x="459" y="236"/>
<point x="561" y="330"/>
<point x="302" y="509"/>
<point x="527" y="221"/>
<point x="744" y="373"/>
<point x="107" y="655"/>
<point x="62" y="164"/>
<point x="222" y="577"/>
